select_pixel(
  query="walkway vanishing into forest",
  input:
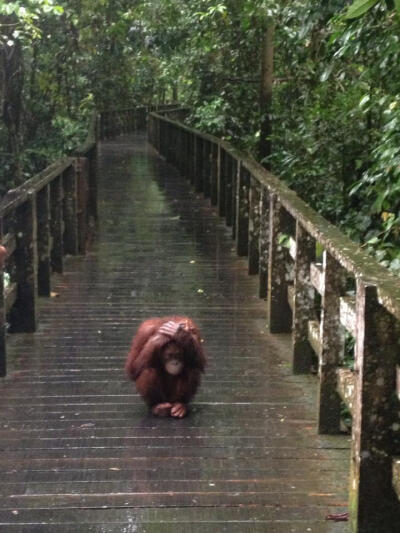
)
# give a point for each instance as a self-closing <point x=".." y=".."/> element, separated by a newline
<point x="79" y="452"/>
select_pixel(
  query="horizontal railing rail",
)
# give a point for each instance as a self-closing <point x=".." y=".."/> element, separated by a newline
<point x="49" y="216"/>
<point x="321" y="298"/>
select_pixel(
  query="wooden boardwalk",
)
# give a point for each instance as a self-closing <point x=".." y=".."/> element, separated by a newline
<point x="79" y="452"/>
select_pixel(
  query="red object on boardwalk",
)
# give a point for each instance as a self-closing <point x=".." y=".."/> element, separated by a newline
<point x="339" y="517"/>
<point x="166" y="360"/>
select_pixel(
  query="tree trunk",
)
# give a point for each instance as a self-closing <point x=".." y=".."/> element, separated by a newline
<point x="267" y="71"/>
<point x="11" y="83"/>
<point x="175" y="92"/>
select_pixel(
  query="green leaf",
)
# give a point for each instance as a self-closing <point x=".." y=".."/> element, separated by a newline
<point x="397" y="4"/>
<point x="364" y="100"/>
<point x="359" y="7"/>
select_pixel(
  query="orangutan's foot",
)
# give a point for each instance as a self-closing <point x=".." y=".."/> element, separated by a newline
<point x="162" y="409"/>
<point x="178" y="410"/>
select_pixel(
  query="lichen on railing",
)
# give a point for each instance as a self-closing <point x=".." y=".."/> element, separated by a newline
<point x="317" y="284"/>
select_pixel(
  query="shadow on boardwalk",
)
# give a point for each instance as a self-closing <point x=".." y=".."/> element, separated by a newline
<point x="79" y="452"/>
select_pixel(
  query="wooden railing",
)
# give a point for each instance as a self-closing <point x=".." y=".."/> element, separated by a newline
<point x="47" y="217"/>
<point x="317" y="298"/>
<point x="120" y="121"/>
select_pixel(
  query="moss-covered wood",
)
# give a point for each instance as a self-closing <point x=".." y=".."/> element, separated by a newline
<point x="352" y="258"/>
<point x="324" y="331"/>
<point x="279" y="269"/>
<point x="264" y="242"/>
<point x="345" y="387"/>
<point x="373" y="502"/>
<point x="242" y="212"/>
<point x="254" y="226"/>
<point x="332" y="344"/>
<point x="303" y="301"/>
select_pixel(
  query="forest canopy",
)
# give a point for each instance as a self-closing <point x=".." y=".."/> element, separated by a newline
<point x="333" y="113"/>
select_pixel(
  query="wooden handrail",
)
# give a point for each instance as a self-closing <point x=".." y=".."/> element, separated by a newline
<point x="118" y="121"/>
<point x="41" y="221"/>
<point x="279" y="232"/>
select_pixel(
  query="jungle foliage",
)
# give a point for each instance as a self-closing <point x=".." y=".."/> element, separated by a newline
<point x="335" y="100"/>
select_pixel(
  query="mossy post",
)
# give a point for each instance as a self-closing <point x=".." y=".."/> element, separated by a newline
<point x="264" y="243"/>
<point x="279" y="311"/>
<point x="303" y="309"/>
<point x="254" y="227"/>
<point x="242" y="211"/>
<point x="373" y="503"/>
<point x="333" y="286"/>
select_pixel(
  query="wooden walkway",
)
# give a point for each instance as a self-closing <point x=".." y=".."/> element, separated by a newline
<point x="79" y="452"/>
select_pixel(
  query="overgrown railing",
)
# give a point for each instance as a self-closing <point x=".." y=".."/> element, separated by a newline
<point x="321" y="287"/>
<point x="47" y="217"/>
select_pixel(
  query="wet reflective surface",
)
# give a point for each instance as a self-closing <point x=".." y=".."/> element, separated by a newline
<point x="79" y="451"/>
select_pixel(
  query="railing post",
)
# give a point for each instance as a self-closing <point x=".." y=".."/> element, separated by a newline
<point x="373" y="504"/>
<point x="3" y="322"/>
<point x="230" y="189"/>
<point x="254" y="226"/>
<point x="82" y="167"/>
<point x="92" y="184"/>
<point x="44" y="241"/>
<point x="207" y="168"/>
<point x="24" y="317"/>
<point x="70" y="184"/>
<point x="179" y="155"/>
<point x="264" y="242"/>
<point x="57" y="252"/>
<point x="215" y="169"/>
<point x="332" y="345"/>
<point x="234" y="169"/>
<point x="303" y="309"/>
<point x="279" y="312"/>
<point x="242" y="210"/>
<point x="193" y="157"/>
<point x="186" y="154"/>
<point x="198" y="183"/>
<point x="222" y="183"/>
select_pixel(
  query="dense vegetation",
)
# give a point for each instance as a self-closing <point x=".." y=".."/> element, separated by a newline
<point x="335" y="102"/>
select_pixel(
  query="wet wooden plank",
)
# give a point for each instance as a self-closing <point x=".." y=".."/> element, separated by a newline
<point x="78" y="446"/>
<point x="251" y="515"/>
